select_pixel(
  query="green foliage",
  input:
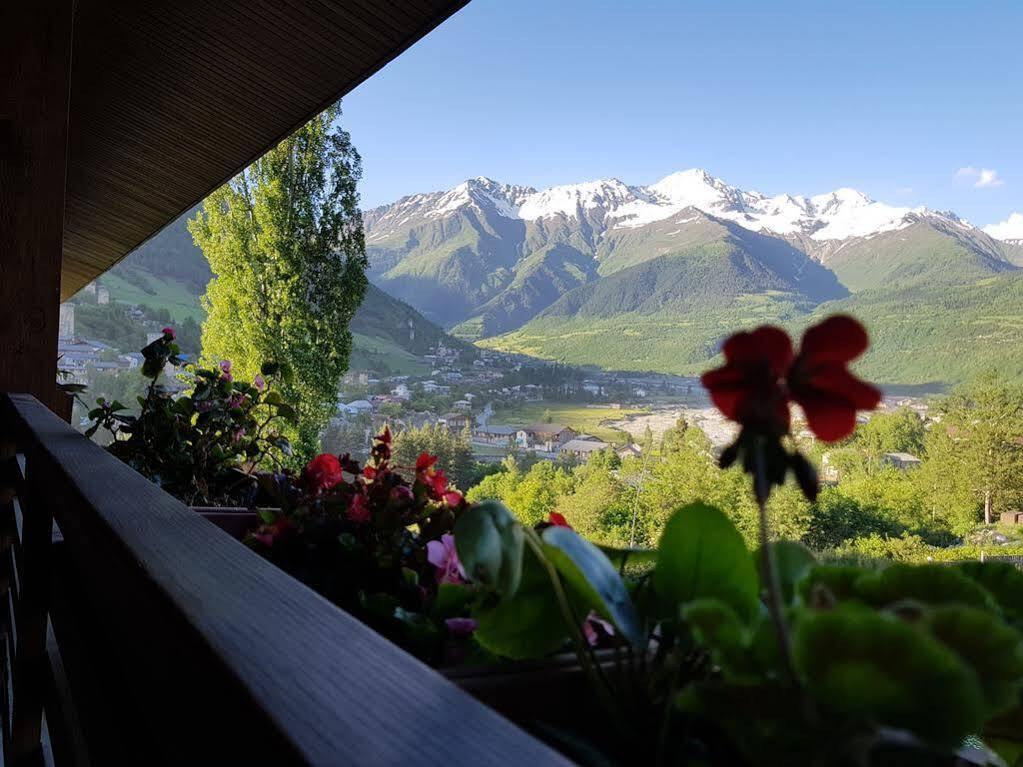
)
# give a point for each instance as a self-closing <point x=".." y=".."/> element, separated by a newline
<point x="453" y="451"/>
<point x="110" y="324"/>
<point x="531" y="495"/>
<point x="588" y="572"/>
<point x="285" y="243"/>
<point x="974" y="454"/>
<point x="686" y="568"/>
<point x="528" y="624"/>
<point x="899" y="432"/>
<point x="203" y="446"/>
<point x="868" y="647"/>
<point x="489" y="544"/>
<point x="875" y="666"/>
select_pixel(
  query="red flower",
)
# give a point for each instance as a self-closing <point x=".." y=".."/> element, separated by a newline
<point x="369" y="473"/>
<point x="749" y="387"/>
<point x="169" y="333"/>
<point x="821" y="383"/>
<point x="358" y="509"/>
<point x="761" y="376"/>
<point x="453" y="498"/>
<point x="323" y="472"/>
<point x="558" y="520"/>
<point x="424" y="462"/>
<point x="437" y="483"/>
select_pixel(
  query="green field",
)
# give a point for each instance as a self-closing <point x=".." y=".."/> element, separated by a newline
<point x="169" y="294"/>
<point x="372" y="353"/>
<point x="583" y="419"/>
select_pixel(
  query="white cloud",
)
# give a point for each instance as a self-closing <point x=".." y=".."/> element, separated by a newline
<point x="1010" y="229"/>
<point x="981" y="177"/>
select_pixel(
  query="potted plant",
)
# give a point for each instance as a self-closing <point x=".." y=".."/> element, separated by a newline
<point x="206" y="445"/>
<point x="726" y="656"/>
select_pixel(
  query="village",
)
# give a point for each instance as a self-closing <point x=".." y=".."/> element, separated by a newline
<point x="503" y="404"/>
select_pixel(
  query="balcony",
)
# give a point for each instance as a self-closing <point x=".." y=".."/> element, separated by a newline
<point x="136" y="631"/>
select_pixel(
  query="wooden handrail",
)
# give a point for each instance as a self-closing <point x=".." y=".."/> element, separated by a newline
<point x="221" y="656"/>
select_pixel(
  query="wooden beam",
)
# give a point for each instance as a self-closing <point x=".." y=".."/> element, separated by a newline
<point x="34" y="97"/>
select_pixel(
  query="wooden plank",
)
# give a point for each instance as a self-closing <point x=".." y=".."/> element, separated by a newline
<point x="35" y="40"/>
<point x="228" y="650"/>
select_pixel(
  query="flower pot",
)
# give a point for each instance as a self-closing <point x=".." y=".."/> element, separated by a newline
<point x="236" y="521"/>
<point x="542" y="695"/>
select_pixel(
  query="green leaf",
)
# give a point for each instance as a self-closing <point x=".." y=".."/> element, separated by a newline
<point x="592" y="576"/>
<point x="489" y="542"/>
<point x="287" y="412"/>
<point x="452" y="600"/>
<point x="930" y="584"/>
<point x="990" y="647"/>
<point x="1004" y="582"/>
<point x="839" y="581"/>
<point x="793" y="561"/>
<point x="273" y="398"/>
<point x="716" y="627"/>
<point x="526" y="625"/>
<point x="878" y="668"/>
<point x="702" y="555"/>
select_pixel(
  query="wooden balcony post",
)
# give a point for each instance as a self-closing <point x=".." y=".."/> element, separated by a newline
<point x="35" y="47"/>
<point x="30" y="672"/>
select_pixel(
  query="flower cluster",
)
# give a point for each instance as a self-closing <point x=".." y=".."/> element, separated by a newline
<point x="762" y="375"/>
<point x="375" y="539"/>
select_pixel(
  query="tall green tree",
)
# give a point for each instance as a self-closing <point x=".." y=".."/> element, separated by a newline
<point x="285" y="244"/>
<point x="975" y="453"/>
<point x="453" y="451"/>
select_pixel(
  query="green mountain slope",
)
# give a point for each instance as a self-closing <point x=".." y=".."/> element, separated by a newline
<point x="921" y="254"/>
<point x="170" y="272"/>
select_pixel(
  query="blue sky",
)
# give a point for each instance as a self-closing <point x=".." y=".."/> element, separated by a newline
<point x="893" y="98"/>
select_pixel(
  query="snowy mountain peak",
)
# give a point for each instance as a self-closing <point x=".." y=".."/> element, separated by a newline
<point x="610" y="203"/>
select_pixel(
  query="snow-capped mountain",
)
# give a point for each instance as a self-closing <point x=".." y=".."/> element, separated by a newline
<point x="488" y="257"/>
<point x="612" y="204"/>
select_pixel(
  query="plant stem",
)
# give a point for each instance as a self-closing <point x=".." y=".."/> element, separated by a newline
<point x="580" y="645"/>
<point x="769" y="567"/>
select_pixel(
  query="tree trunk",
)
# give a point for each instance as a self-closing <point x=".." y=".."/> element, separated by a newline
<point x="987" y="507"/>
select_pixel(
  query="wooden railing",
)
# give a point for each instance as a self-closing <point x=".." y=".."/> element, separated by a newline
<point x="139" y="633"/>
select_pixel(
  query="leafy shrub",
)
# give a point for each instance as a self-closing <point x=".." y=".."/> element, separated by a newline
<point x="204" y="446"/>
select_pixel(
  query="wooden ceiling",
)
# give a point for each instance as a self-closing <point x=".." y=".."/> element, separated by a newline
<point x="170" y="99"/>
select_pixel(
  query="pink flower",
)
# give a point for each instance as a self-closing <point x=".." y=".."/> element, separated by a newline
<point x="236" y="401"/>
<point x="442" y="555"/>
<point x="358" y="509"/>
<point x="169" y="333"/>
<point x="259" y="382"/>
<point x="225" y="366"/>
<point x="237" y="436"/>
<point x="590" y="626"/>
<point x="453" y="498"/>
<point x="460" y="627"/>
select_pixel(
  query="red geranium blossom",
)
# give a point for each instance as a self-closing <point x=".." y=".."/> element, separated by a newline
<point x="761" y="376"/>
<point x="323" y="472"/>
<point x="169" y="333"/>
<point x="558" y="520"/>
